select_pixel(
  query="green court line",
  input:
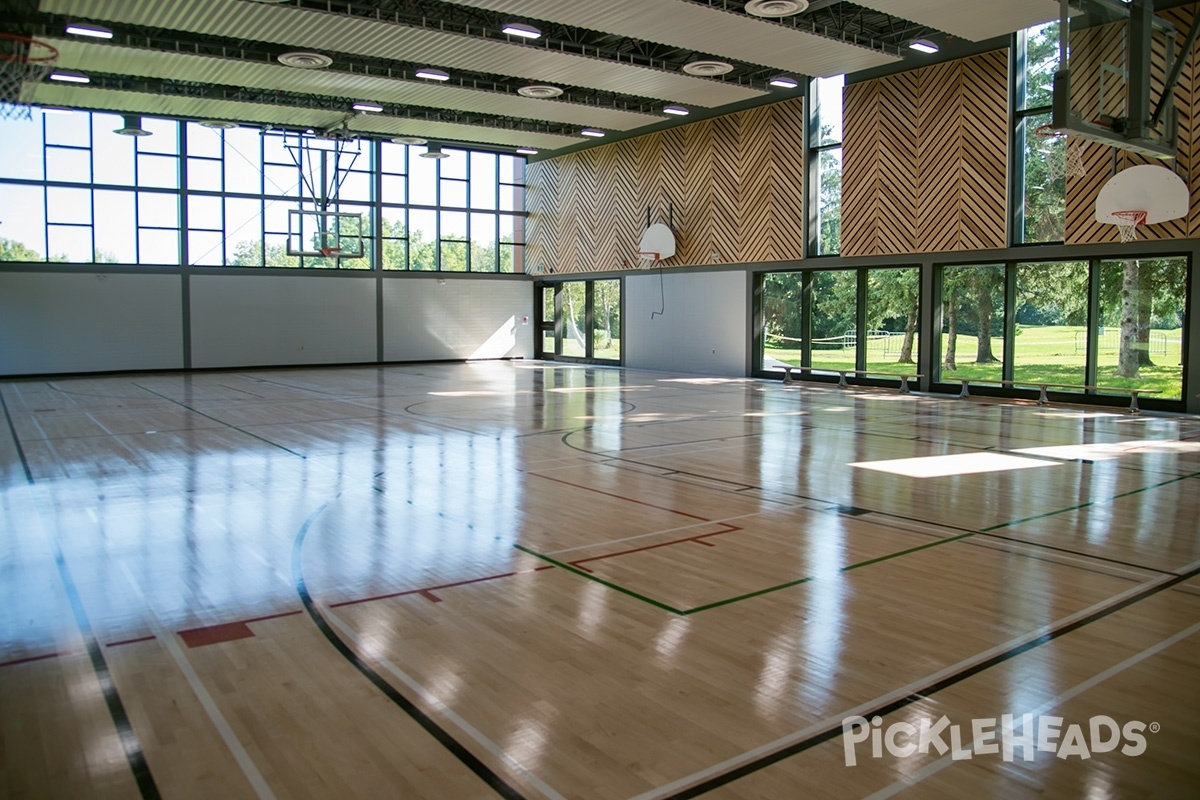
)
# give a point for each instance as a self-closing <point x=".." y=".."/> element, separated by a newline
<point x="1092" y="503"/>
<point x="600" y="581"/>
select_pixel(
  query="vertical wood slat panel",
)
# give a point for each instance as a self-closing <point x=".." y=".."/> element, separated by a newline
<point x="736" y="183"/>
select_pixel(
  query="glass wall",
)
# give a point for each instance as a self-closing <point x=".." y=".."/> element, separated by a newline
<point x="1139" y="333"/>
<point x="1051" y="316"/>
<point x="833" y="311"/>
<point x="580" y="320"/>
<point x="1040" y="195"/>
<point x="893" y="319"/>
<point x="973" y="322"/>
<point x="825" y="161"/>
<point x="782" y="310"/>
<point x="72" y="190"/>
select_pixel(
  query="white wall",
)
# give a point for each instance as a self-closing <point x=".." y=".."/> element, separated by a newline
<point x="259" y="320"/>
<point x="456" y="319"/>
<point x="91" y="322"/>
<point x="704" y="329"/>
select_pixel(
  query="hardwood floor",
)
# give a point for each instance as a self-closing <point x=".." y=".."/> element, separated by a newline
<point x="549" y="581"/>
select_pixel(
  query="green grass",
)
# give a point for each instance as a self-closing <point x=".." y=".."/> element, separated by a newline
<point x="1045" y="353"/>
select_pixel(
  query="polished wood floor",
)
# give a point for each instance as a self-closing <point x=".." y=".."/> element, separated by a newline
<point x="526" y="580"/>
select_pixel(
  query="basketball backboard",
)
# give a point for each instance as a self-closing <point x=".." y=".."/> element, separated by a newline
<point x="324" y="234"/>
<point x="1117" y="73"/>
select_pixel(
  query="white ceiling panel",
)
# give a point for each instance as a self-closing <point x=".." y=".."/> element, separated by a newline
<point x="303" y="28"/>
<point x="198" y="108"/>
<point x="689" y="25"/>
<point x="975" y="20"/>
<point x="90" y="57"/>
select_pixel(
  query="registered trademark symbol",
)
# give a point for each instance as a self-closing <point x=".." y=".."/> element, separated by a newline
<point x="1155" y="727"/>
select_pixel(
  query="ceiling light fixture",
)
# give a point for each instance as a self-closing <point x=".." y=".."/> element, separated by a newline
<point x="527" y="151"/>
<point x="540" y="92"/>
<point x="707" y="68"/>
<point x="367" y="108"/>
<point x="88" y="29"/>
<point x="522" y="30"/>
<point x="784" y="82"/>
<point x="677" y="111"/>
<point x="923" y="46"/>
<point x="409" y="140"/>
<point x="302" y="59"/>
<point x="595" y="134"/>
<point x="433" y="74"/>
<point x="216" y="124"/>
<point x="132" y="126"/>
<point x="69" y="76"/>
<point x="434" y="151"/>
<point x="776" y="8"/>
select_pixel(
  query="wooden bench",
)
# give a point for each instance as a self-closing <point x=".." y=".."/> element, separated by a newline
<point x="842" y="373"/>
<point x="1042" y="387"/>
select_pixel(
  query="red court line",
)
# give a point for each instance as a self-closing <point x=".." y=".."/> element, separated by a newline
<point x="427" y="591"/>
<point x="619" y="497"/>
<point x="697" y="539"/>
<point x="225" y="631"/>
<point x="130" y="641"/>
<point x="28" y="659"/>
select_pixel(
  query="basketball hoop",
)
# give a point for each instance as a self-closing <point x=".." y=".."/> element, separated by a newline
<point x="331" y="252"/>
<point x="647" y="259"/>
<point x="1071" y="165"/>
<point x="22" y="60"/>
<point x="1128" y="225"/>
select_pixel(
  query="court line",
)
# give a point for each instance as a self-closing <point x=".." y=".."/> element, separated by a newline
<point x="16" y="440"/>
<point x="601" y="581"/>
<point x="689" y="526"/>
<point x="131" y="745"/>
<point x="617" y="496"/>
<point x="1076" y="690"/>
<point x="221" y="421"/>
<point x="731" y="769"/>
<point x="468" y="759"/>
<point x="697" y="538"/>
<point x="234" y="745"/>
<point x="1057" y="549"/>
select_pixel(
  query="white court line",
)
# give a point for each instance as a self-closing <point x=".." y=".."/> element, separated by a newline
<point x="441" y="707"/>
<point x="891" y="697"/>
<point x="1074" y="691"/>
<point x="214" y="714"/>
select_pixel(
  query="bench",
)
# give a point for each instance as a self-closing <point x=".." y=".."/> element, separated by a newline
<point x="842" y="373"/>
<point x="1043" y="386"/>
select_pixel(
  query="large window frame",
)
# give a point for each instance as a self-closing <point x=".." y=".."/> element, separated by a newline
<point x="1031" y="156"/>
<point x="230" y="191"/>
<point x="824" y="145"/>
<point x="554" y="324"/>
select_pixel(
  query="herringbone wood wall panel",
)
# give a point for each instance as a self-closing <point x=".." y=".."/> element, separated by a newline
<point x="925" y="156"/>
<point x="1107" y="44"/>
<point x="736" y="184"/>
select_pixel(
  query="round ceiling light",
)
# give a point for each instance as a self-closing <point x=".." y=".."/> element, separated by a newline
<point x="217" y="124"/>
<point x="132" y="126"/>
<point x="304" y="60"/>
<point x="776" y="8"/>
<point x="434" y="151"/>
<point x="409" y="140"/>
<point x="540" y="92"/>
<point x="707" y="69"/>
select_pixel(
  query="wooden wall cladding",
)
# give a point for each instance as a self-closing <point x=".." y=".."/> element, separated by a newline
<point x="736" y="183"/>
<point x="925" y="156"/>
<point x="1107" y="44"/>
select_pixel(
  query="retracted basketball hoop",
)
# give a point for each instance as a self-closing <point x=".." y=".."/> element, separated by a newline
<point x="23" y="60"/>
<point x="1070" y="162"/>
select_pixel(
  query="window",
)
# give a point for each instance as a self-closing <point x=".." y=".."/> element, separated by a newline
<point x="580" y="320"/>
<point x="73" y="191"/>
<point x="973" y="322"/>
<point x="1039" y="202"/>
<point x="825" y="164"/>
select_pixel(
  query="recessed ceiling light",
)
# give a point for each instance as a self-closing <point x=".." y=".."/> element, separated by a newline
<point x="539" y="91"/>
<point x="304" y="60"/>
<point x="784" y="82"/>
<point x="216" y="124"/>
<point x="132" y="126"/>
<point x="527" y="151"/>
<point x="69" y="76"/>
<point x="409" y="140"/>
<point x="88" y="29"/>
<point x="370" y="108"/>
<point x="595" y="134"/>
<point x="522" y="30"/>
<point x="707" y="68"/>
<point x="433" y="74"/>
<point x="678" y="111"/>
<point x="434" y="151"/>
<point x="776" y="8"/>
<point x="923" y="46"/>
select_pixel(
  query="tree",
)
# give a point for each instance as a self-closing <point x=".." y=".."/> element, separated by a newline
<point x="12" y="250"/>
<point x="895" y="295"/>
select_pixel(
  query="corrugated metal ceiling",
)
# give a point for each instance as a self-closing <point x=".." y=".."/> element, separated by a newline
<point x="975" y="20"/>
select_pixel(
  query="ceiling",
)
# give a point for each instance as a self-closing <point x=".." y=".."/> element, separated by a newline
<point x="617" y="62"/>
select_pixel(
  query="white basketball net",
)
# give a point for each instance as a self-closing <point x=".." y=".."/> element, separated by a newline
<point x="1130" y="220"/>
<point x="1062" y="159"/>
<point x="22" y="61"/>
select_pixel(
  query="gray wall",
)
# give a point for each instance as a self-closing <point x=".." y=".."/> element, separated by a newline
<point x="82" y="319"/>
<point x="705" y="327"/>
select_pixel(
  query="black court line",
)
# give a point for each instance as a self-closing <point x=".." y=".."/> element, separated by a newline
<point x="493" y="780"/>
<point x="222" y="422"/>
<point x="922" y="693"/>
<point x="130" y="743"/>
<point x="16" y="440"/>
<point x="1076" y="553"/>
